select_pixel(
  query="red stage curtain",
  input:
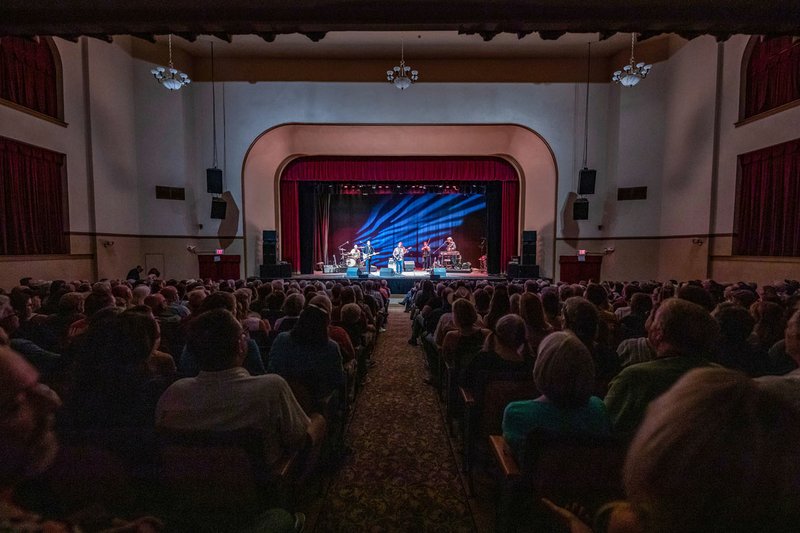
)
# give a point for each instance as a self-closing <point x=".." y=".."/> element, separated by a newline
<point x="773" y="74"/>
<point x="28" y="74"/>
<point x="387" y="170"/>
<point x="31" y="200"/>
<point x="769" y="211"/>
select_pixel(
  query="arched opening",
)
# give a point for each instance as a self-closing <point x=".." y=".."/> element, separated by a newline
<point x="523" y="148"/>
<point x="30" y="75"/>
<point x="770" y="74"/>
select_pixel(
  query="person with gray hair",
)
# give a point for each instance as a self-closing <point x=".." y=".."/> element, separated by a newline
<point x="564" y="375"/>
<point x="683" y="336"/>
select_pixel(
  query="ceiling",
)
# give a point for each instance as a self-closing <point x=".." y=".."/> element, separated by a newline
<point x="314" y="18"/>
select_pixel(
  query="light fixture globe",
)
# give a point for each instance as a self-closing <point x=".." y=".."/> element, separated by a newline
<point x="632" y="73"/>
<point x="170" y="77"/>
<point x="402" y="76"/>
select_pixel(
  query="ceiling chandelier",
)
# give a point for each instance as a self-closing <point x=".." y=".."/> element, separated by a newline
<point x="401" y="75"/>
<point x="633" y="72"/>
<point x="170" y="77"/>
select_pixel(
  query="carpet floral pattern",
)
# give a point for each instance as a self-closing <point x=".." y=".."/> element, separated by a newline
<point x="402" y="475"/>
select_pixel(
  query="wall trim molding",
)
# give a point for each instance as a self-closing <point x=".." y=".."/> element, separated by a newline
<point x="32" y="112"/>
<point x="50" y="257"/>
<point x="135" y="236"/>
<point x="648" y="237"/>
<point x="755" y="259"/>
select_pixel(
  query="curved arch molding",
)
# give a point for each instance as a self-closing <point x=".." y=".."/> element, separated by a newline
<point x="522" y="147"/>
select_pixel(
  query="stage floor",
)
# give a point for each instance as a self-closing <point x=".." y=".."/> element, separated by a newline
<point x="402" y="283"/>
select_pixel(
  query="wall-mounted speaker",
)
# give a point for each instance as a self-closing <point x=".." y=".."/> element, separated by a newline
<point x="580" y="209"/>
<point x="586" y="181"/>
<point x="270" y="235"/>
<point x="528" y="248"/>
<point x="219" y="208"/>
<point x="214" y="180"/>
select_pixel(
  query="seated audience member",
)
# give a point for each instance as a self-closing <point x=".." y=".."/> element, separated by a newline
<point x="735" y="350"/>
<point x="463" y="343"/>
<point x="683" y="336"/>
<point x="632" y="325"/>
<point x="770" y="323"/>
<point x="446" y="322"/>
<point x="582" y="319"/>
<point x="224" y="396"/>
<point x="45" y="361"/>
<point x="92" y="304"/>
<point x="172" y="300"/>
<point x="788" y="384"/>
<point x="337" y="333"/>
<point x="504" y="352"/>
<point x="187" y="364"/>
<point x="536" y="325"/>
<point x="292" y="307"/>
<point x="56" y="327"/>
<point x="552" y="308"/>
<point x="194" y="300"/>
<point x="161" y="310"/>
<point x="697" y="295"/>
<point x="499" y="307"/>
<point x="564" y="375"/>
<point x="308" y="355"/>
<point x="636" y="350"/>
<point x="140" y="292"/>
<point x="113" y="384"/>
<point x="482" y="302"/>
<point x="608" y="325"/>
<point x="28" y="447"/>
<point x="715" y="454"/>
<point x="273" y="306"/>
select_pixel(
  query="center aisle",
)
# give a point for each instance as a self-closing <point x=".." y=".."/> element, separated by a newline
<point x="402" y="475"/>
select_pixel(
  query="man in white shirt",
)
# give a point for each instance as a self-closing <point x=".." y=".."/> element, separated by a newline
<point x="224" y="396"/>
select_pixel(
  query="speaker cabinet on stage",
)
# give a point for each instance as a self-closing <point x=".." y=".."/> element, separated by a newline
<point x="580" y="209"/>
<point x="387" y="272"/>
<point x="439" y="273"/>
<point x="270" y="248"/>
<point x="522" y="271"/>
<point x="528" y="248"/>
<point x="281" y="270"/>
<point x="352" y="272"/>
<point x="409" y="266"/>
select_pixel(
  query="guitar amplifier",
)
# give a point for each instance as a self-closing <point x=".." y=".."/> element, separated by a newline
<point x="329" y="269"/>
<point x="409" y="266"/>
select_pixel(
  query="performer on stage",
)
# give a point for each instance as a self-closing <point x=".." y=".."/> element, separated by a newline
<point x="354" y="256"/>
<point x="398" y="254"/>
<point x="426" y="255"/>
<point x="450" y="245"/>
<point x="368" y="252"/>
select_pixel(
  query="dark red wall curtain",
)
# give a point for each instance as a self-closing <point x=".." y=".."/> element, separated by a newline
<point x="28" y="74"/>
<point x="769" y="201"/>
<point x="377" y="169"/>
<point x="773" y="74"/>
<point x="32" y="214"/>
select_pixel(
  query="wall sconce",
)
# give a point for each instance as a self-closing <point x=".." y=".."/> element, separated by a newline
<point x="608" y="251"/>
<point x="697" y="241"/>
<point x="191" y="249"/>
<point x="108" y="244"/>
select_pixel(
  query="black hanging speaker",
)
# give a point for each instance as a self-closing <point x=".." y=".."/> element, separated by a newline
<point x="270" y="235"/>
<point x="219" y="208"/>
<point x="528" y="248"/>
<point x="269" y="254"/>
<point x="214" y="180"/>
<point x="580" y="209"/>
<point x="586" y="181"/>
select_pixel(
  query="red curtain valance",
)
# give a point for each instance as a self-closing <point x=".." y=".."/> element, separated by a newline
<point x="419" y="169"/>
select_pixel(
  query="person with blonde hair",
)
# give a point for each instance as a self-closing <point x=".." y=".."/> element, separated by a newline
<point x="564" y="375"/>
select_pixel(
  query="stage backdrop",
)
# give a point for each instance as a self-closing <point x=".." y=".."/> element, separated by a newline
<point x="300" y="209"/>
<point x="412" y="219"/>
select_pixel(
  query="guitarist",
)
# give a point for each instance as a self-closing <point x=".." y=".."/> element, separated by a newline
<point x="398" y="254"/>
<point x="367" y="252"/>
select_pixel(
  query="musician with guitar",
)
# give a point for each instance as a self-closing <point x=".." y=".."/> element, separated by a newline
<point x="367" y="252"/>
<point x="397" y="254"/>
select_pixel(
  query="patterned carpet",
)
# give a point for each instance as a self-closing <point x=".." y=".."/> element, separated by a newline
<point x="402" y="475"/>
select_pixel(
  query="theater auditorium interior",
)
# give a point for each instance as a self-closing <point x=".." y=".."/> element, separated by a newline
<point x="475" y="265"/>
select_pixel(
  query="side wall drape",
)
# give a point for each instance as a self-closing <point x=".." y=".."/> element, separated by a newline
<point x="773" y="74"/>
<point x="388" y="169"/>
<point x="32" y="200"/>
<point x="28" y="74"/>
<point x="768" y="201"/>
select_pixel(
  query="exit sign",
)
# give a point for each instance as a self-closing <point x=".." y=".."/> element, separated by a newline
<point x="220" y="251"/>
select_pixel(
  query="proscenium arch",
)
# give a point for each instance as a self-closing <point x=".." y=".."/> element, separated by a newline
<point x="524" y="148"/>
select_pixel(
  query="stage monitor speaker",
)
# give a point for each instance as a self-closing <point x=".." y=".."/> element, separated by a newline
<point x="587" y="178"/>
<point x="281" y="270"/>
<point x="580" y="209"/>
<point x="387" y="272"/>
<point x="214" y="180"/>
<point x="352" y="272"/>
<point x="522" y="271"/>
<point x="363" y="274"/>
<point x="219" y="208"/>
<point x="409" y="266"/>
<point x="441" y="272"/>
<point x="270" y="235"/>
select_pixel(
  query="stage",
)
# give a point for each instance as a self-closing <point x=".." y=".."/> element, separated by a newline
<point x="401" y="283"/>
